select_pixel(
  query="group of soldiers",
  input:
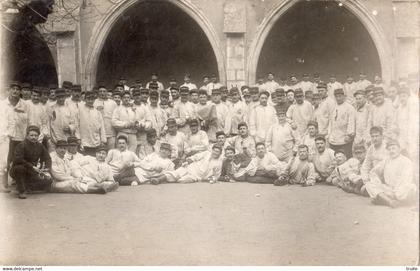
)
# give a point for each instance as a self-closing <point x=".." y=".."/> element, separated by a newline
<point x="360" y="136"/>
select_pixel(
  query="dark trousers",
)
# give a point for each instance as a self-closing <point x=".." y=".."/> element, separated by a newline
<point x="126" y="176"/>
<point x="89" y="151"/>
<point x="11" y="153"/>
<point x="27" y="178"/>
<point x="346" y="148"/>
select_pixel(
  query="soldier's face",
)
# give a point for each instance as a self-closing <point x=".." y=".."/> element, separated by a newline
<point x="221" y="139"/>
<point x="404" y="98"/>
<point x="61" y="99"/>
<point x="379" y="99"/>
<point x="315" y="102"/>
<point x="61" y="150"/>
<point x="320" y="145"/>
<point x="15" y="91"/>
<point x="394" y="151"/>
<point x="270" y="77"/>
<point x="340" y="98"/>
<point x="215" y="153"/>
<point x="234" y="97"/>
<point x="281" y="117"/>
<point x="154" y="101"/>
<point x="32" y="136"/>
<point x="216" y="98"/>
<point x="26" y="93"/>
<point x="243" y="131"/>
<point x="126" y="99"/>
<point x="255" y="97"/>
<point x="76" y="95"/>
<point x="322" y="92"/>
<point x="291" y="96"/>
<point x="312" y="131"/>
<point x="261" y="151"/>
<point x="263" y="99"/>
<point x="122" y="145"/>
<point x="392" y="92"/>
<point x="194" y="97"/>
<point x="194" y="128"/>
<point x="340" y="158"/>
<point x="151" y="139"/>
<point x="117" y="99"/>
<point x="72" y="149"/>
<point x="164" y="153"/>
<point x="377" y="139"/>
<point x="102" y="92"/>
<point x="229" y="154"/>
<point x="203" y="99"/>
<point x="360" y="155"/>
<point x="154" y="78"/>
<point x="360" y="99"/>
<point x="350" y="80"/>
<point x="89" y="100"/>
<point x="100" y="156"/>
<point x="174" y="93"/>
<point x="247" y="98"/>
<point x="206" y="80"/>
<point x="35" y="97"/>
<point x="299" y="98"/>
<point x="303" y="153"/>
<point x="144" y="97"/>
<point x="172" y="129"/>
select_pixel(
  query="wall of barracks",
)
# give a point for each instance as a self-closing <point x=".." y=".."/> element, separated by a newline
<point x="236" y="30"/>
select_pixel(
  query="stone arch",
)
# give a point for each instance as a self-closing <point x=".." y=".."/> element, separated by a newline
<point x="103" y="28"/>
<point x="354" y="6"/>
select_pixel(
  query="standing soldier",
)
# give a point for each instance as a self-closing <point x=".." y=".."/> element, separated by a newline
<point x="363" y="83"/>
<point x="382" y="114"/>
<point x="164" y="103"/>
<point x="305" y="84"/>
<point x="37" y="115"/>
<point x="221" y="110"/>
<point x="184" y="111"/>
<point x="333" y="85"/>
<point x="261" y="118"/>
<point x="188" y="83"/>
<point x="341" y="128"/>
<point x="91" y="126"/>
<point x="236" y="114"/>
<point x="158" y="115"/>
<point x="300" y="113"/>
<point x="350" y="88"/>
<point x="116" y="96"/>
<point x="177" y="140"/>
<point x="270" y="85"/>
<point x="214" y="84"/>
<point x="324" y="110"/>
<point x="62" y="121"/>
<point x="106" y="106"/>
<point x="362" y="114"/>
<point x="155" y="79"/>
<point x="143" y="116"/>
<point x="124" y="122"/>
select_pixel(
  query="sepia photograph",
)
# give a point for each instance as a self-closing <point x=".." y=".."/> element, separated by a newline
<point x="188" y="133"/>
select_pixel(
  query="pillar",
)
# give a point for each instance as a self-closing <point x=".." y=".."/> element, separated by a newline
<point x="66" y="57"/>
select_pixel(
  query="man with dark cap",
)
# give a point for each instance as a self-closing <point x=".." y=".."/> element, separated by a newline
<point x="224" y="94"/>
<point x="391" y="181"/>
<point x="45" y="92"/>
<point x="25" y="170"/>
<point x="270" y="85"/>
<point x="155" y="163"/>
<point x="172" y="83"/>
<point x="197" y="140"/>
<point x="52" y="97"/>
<point x="143" y="115"/>
<point x="67" y="86"/>
<point x="383" y="114"/>
<point x="206" y="80"/>
<point x="300" y="113"/>
<point x="16" y="119"/>
<point x="333" y="85"/>
<point x="124" y="121"/>
<point x="26" y="91"/>
<point x="261" y="118"/>
<point x="37" y="115"/>
<point x="184" y="111"/>
<point x="317" y="80"/>
<point x="194" y="97"/>
<point x="248" y="102"/>
<point x="341" y="130"/>
<point x="154" y="79"/>
<point x="106" y="107"/>
<point x="280" y="138"/>
<point x="151" y="145"/>
<point x="91" y="126"/>
<point x="309" y="137"/>
<point x="164" y="103"/>
<point x="221" y="110"/>
<point x="177" y="140"/>
<point x="213" y="84"/>
<point x="188" y="83"/>
<point x="174" y="96"/>
<point x="376" y="152"/>
<point x="158" y="115"/>
<point x="326" y="106"/>
<point x="116" y="96"/>
<point x="362" y="114"/>
<point x="62" y="121"/>
<point x="308" y="96"/>
<point x="207" y="115"/>
<point x="363" y="83"/>
<point x="236" y="112"/>
<point x="75" y="101"/>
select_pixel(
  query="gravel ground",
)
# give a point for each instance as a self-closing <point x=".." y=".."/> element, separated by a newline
<point x="204" y="224"/>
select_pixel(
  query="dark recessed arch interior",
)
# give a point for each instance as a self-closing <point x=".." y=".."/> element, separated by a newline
<point x="319" y="36"/>
<point x="155" y="36"/>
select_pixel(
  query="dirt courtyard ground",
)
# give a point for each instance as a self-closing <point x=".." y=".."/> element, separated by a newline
<point x="207" y="224"/>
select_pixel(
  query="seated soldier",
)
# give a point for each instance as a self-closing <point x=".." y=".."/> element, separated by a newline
<point x="244" y="142"/>
<point x="339" y="159"/>
<point x="204" y="166"/>
<point x="122" y="163"/>
<point x="323" y="160"/>
<point x="265" y="167"/>
<point x="229" y="166"/>
<point x="152" y="144"/>
<point x="98" y="170"/>
<point x="299" y="170"/>
<point x="391" y="181"/>
<point x="347" y="175"/>
<point x="31" y="164"/>
<point x="221" y="141"/>
<point x="197" y="140"/>
<point x="67" y="180"/>
<point x="155" y="164"/>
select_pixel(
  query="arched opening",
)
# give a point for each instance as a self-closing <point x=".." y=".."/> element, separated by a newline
<point x="155" y="36"/>
<point x="320" y="36"/>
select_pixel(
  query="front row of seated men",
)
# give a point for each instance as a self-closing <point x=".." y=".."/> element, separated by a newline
<point x="381" y="172"/>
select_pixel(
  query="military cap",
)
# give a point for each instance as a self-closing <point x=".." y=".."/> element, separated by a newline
<point x="265" y="92"/>
<point x="246" y="92"/>
<point x="254" y="90"/>
<point x="234" y="91"/>
<point x="67" y="84"/>
<point x="164" y="93"/>
<point x="312" y="123"/>
<point x="36" y="90"/>
<point x="378" y="90"/>
<point x="298" y="91"/>
<point x="290" y="90"/>
<point x="102" y="147"/>
<point x="15" y="84"/>
<point x="153" y="85"/>
<point x="151" y="132"/>
<point x="76" y="88"/>
<point x="322" y="85"/>
<point x="61" y="143"/>
<point x="193" y="122"/>
<point x="52" y="86"/>
<point x="359" y="148"/>
<point x="403" y="89"/>
<point x="26" y="85"/>
<point x="338" y="91"/>
<point x="135" y="92"/>
<point x="369" y="88"/>
<point x="165" y="146"/>
<point x="339" y="151"/>
<point x="116" y="93"/>
<point x="359" y="92"/>
<point x="194" y="91"/>
<point x="392" y="142"/>
<point x="316" y="95"/>
<point x="230" y="148"/>
<point x="219" y="133"/>
<point x="90" y="94"/>
<point x="33" y="128"/>
<point x="60" y="92"/>
<point x="280" y="92"/>
<point x="242" y="123"/>
<point x="184" y="90"/>
<point x="215" y="91"/>
<point x="305" y="75"/>
<point x="72" y="141"/>
<point x="175" y="88"/>
<point x="202" y="92"/>
<point x="144" y="91"/>
<point x="154" y="94"/>
<point x="171" y="121"/>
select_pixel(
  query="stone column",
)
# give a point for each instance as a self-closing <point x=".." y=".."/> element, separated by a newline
<point x="234" y="28"/>
<point x="66" y="57"/>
